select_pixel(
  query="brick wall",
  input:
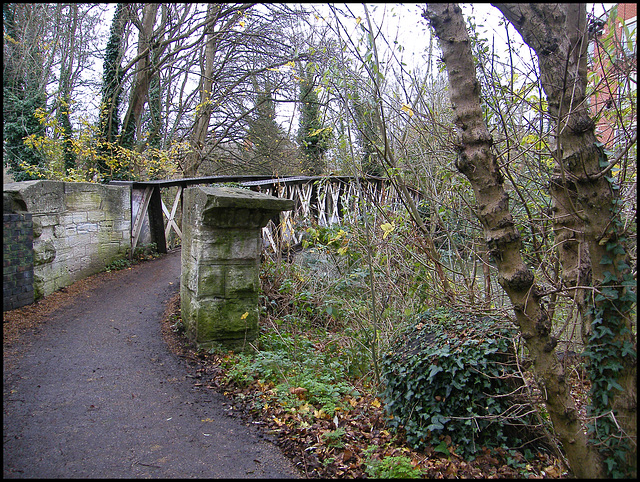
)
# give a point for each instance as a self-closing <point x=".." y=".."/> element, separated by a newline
<point x="17" y="261"/>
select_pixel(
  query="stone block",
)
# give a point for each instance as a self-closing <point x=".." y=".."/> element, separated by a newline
<point x="83" y="228"/>
<point x="78" y="217"/>
<point x="220" y="263"/>
<point x="225" y="320"/>
<point x="43" y="253"/>
<point x="242" y="280"/>
<point x="210" y="280"/>
<point x="37" y="197"/>
<point x="59" y="231"/>
<point x="226" y="243"/>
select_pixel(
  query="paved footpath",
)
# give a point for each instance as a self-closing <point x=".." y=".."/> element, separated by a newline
<point x="98" y="394"/>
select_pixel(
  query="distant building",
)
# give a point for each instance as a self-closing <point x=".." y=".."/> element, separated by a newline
<point x="613" y="65"/>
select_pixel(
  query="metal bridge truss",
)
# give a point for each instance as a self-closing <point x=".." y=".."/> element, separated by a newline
<point x="322" y="200"/>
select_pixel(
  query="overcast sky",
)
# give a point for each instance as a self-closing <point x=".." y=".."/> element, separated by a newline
<point x="404" y="23"/>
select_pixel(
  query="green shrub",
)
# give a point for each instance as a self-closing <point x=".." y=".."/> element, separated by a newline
<point x="448" y="375"/>
<point x="398" y="467"/>
<point x="117" y="265"/>
<point x="335" y="438"/>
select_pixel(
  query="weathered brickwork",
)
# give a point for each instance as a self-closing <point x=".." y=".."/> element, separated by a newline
<point x="78" y="228"/>
<point x="17" y="261"/>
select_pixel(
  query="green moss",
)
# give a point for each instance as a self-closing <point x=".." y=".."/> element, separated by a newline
<point x="222" y="321"/>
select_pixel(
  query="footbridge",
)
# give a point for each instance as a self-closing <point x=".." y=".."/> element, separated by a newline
<point x="324" y="200"/>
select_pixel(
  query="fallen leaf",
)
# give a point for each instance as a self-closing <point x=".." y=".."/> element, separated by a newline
<point x="347" y="454"/>
<point x="299" y="391"/>
<point x="552" y="472"/>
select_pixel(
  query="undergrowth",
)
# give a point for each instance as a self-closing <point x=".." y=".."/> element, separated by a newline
<point x="325" y="319"/>
<point x="140" y="253"/>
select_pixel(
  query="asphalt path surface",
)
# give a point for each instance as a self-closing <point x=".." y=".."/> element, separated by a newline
<point x="96" y="393"/>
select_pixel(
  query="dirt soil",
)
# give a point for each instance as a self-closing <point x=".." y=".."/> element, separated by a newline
<point x="92" y="389"/>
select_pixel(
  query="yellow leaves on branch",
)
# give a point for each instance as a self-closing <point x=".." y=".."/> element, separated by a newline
<point x="203" y="105"/>
<point x="407" y="109"/>
<point x="151" y="163"/>
<point x="320" y="131"/>
<point x="387" y="228"/>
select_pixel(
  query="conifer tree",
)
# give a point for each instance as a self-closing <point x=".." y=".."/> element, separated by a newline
<point x="265" y="139"/>
<point x="367" y="135"/>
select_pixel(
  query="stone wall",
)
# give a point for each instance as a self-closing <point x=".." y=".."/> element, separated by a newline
<point x="17" y="261"/>
<point x="78" y="228"/>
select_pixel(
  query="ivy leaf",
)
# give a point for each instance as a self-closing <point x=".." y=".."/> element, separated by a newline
<point x="622" y="266"/>
<point x="609" y="277"/>
<point x="614" y="384"/>
<point x="627" y="349"/>
<point x="435" y="369"/>
<point x="606" y="260"/>
<point x="611" y="463"/>
<point x="442" y="448"/>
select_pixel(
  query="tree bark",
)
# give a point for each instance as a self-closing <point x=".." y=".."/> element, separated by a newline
<point x="478" y="163"/>
<point x="203" y="111"/>
<point x="68" y="52"/>
<point x="144" y="72"/>
<point x="558" y="33"/>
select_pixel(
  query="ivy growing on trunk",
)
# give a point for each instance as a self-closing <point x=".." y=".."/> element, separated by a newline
<point x="111" y="93"/>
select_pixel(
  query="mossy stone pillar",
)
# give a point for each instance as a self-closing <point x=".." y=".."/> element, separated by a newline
<point x="221" y="244"/>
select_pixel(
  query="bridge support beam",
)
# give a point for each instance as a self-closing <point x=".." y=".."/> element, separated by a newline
<point x="221" y="247"/>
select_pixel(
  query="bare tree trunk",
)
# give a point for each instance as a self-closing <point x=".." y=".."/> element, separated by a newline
<point x="573" y="249"/>
<point x="144" y="72"/>
<point x="65" y="86"/>
<point x="225" y="21"/>
<point x="204" y="109"/>
<point x="478" y="163"/>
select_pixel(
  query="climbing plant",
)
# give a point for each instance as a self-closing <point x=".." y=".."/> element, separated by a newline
<point x="313" y="137"/>
<point x="611" y="350"/>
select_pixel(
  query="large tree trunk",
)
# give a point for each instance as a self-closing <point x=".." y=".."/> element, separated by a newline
<point x="572" y="249"/>
<point x="203" y="111"/>
<point x="224" y="20"/>
<point x="558" y="34"/>
<point x="144" y="72"/>
<point x="65" y="86"/>
<point x="477" y="162"/>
